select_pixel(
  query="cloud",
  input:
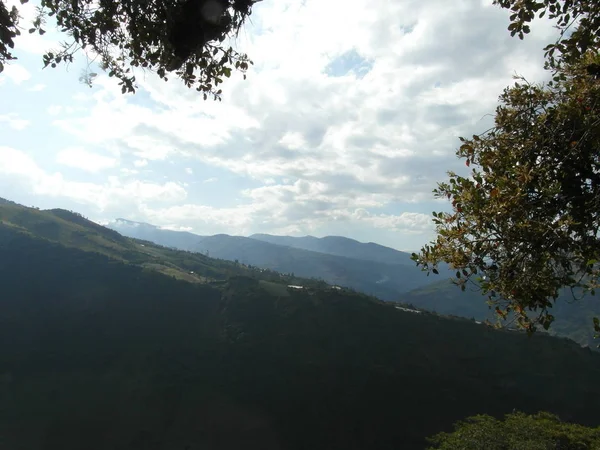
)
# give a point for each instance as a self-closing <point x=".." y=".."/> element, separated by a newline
<point x="349" y="117"/>
<point x="15" y="73"/>
<point x="54" y="110"/>
<point x="85" y="160"/>
<point x="406" y="222"/>
<point x="140" y="163"/>
<point x="18" y="167"/>
<point x="37" y="87"/>
<point x="14" y="121"/>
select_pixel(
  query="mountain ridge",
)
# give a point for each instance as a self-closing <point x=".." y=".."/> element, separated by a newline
<point x="382" y="279"/>
<point x="340" y="246"/>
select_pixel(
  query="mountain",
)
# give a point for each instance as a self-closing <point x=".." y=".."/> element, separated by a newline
<point x="108" y="353"/>
<point x="382" y="279"/>
<point x="340" y="246"/>
<point x="181" y="240"/>
<point x="573" y="317"/>
<point x="71" y="229"/>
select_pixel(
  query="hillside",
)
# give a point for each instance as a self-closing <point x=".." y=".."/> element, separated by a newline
<point x="106" y="355"/>
<point x="382" y="279"/>
<point x="573" y="317"/>
<point x="73" y="230"/>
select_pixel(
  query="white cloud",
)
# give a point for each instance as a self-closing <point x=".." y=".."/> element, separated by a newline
<point x="54" y="110"/>
<point x="14" y="121"/>
<point x="312" y="143"/>
<point x="85" y="160"/>
<point x="140" y="163"/>
<point x="406" y="222"/>
<point x="37" y="87"/>
<point x="21" y="168"/>
<point x="15" y="72"/>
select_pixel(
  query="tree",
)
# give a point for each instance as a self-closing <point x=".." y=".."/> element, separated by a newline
<point x="166" y="36"/>
<point x="542" y="431"/>
<point x="525" y="222"/>
<point x="578" y="23"/>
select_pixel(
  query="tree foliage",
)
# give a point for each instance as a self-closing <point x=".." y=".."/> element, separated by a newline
<point x="186" y="38"/>
<point x="542" y="431"/>
<point x="578" y="22"/>
<point x="525" y="221"/>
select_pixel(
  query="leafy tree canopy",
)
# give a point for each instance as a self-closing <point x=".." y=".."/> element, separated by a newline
<point x="542" y="431"/>
<point x="525" y="221"/>
<point x="184" y="37"/>
<point x="578" y="22"/>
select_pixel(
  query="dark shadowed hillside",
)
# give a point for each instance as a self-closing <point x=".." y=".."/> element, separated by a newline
<point x="105" y="355"/>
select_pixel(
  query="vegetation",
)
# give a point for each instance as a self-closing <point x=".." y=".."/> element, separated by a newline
<point x="73" y="230"/>
<point x="578" y="23"/>
<point x="378" y="271"/>
<point x="186" y="38"/>
<point x="525" y="222"/>
<point x="573" y="317"/>
<point x="104" y="354"/>
<point x="540" y="431"/>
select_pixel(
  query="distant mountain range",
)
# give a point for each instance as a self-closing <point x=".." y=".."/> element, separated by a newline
<point x="370" y="268"/>
<point x="340" y="246"/>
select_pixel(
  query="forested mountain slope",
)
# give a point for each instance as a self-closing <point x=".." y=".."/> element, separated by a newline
<point x="100" y="353"/>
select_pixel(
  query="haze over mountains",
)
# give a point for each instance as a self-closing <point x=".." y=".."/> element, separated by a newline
<point x="573" y="313"/>
<point x="367" y="267"/>
<point x="341" y="246"/>
<point x="370" y="268"/>
<point x="121" y="344"/>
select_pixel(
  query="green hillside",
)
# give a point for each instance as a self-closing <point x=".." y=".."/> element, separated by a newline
<point x="73" y="230"/>
<point x="103" y="354"/>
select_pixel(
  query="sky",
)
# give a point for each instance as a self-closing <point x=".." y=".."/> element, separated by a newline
<point x="349" y="117"/>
